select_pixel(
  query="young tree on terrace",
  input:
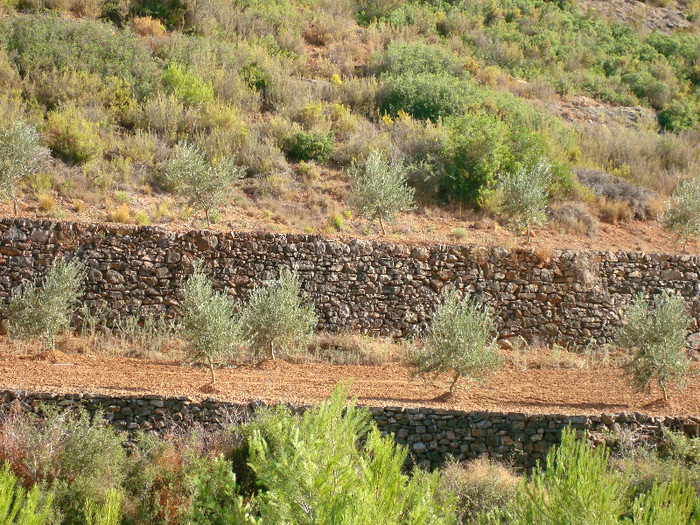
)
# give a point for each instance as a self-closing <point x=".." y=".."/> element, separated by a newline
<point x="275" y="316"/>
<point x="682" y="214"/>
<point x="523" y="196"/>
<point x="459" y="340"/>
<point x="209" y="326"/>
<point x="379" y="189"/>
<point x="654" y="335"/>
<point x="205" y="185"/>
<point x="20" y="155"/>
<point x="43" y="311"/>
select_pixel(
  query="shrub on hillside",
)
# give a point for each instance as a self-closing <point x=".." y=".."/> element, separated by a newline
<point x="425" y="96"/>
<point x="682" y="214"/>
<point x="310" y="146"/>
<point x="43" y="311"/>
<point x="209" y="326"/>
<point x="654" y="335"/>
<point x="275" y="317"/>
<point x="20" y="155"/>
<point x="187" y="86"/>
<point x="476" y="151"/>
<point x="604" y="186"/>
<point x="379" y="190"/>
<point x="72" y="136"/>
<point x="458" y="340"/>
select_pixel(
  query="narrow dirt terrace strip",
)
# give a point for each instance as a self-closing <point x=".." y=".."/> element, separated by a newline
<point x="553" y="390"/>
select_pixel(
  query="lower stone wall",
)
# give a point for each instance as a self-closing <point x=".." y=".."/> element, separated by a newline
<point x="432" y="435"/>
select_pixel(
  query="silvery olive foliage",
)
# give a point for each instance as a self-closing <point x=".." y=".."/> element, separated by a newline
<point x="379" y="189"/>
<point x="21" y="154"/>
<point x="42" y="311"/>
<point x="275" y="316"/>
<point x="205" y="185"/>
<point x="209" y="325"/>
<point x="654" y="333"/>
<point x="682" y="213"/>
<point x="459" y="340"/>
<point x="523" y="196"/>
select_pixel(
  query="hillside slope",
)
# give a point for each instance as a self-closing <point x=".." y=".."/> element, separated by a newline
<point x="297" y="92"/>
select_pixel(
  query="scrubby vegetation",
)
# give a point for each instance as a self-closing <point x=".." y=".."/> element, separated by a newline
<point x="327" y="465"/>
<point x="294" y="93"/>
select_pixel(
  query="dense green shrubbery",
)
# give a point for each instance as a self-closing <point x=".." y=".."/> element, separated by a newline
<point x="330" y="82"/>
<point x="327" y="465"/>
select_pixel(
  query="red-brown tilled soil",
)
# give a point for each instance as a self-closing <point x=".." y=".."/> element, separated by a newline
<point x="551" y="390"/>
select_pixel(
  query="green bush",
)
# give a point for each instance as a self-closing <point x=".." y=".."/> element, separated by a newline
<point x="72" y="136"/>
<point x="20" y="155"/>
<point x="310" y="470"/>
<point x="45" y="43"/>
<point x="426" y="96"/>
<point x="310" y="146"/>
<point x="575" y="485"/>
<point x="187" y="86"/>
<point x="379" y="190"/>
<point x="276" y="318"/>
<point x="19" y="507"/>
<point x="209" y="327"/>
<point x="654" y="335"/>
<point x="477" y="150"/>
<point x="679" y="115"/>
<point x="458" y="340"/>
<point x="674" y="502"/>
<point x="43" y="311"/>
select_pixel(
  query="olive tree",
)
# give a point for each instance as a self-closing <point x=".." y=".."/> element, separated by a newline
<point x="205" y="185"/>
<point x="275" y="316"/>
<point x="655" y="336"/>
<point x="43" y="310"/>
<point x="209" y="326"/>
<point x="523" y="196"/>
<point x="682" y="214"/>
<point x="21" y="154"/>
<point x="459" y="340"/>
<point x="379" y="190"/>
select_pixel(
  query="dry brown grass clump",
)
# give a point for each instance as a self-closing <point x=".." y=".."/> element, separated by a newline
<point x="480" y="485"/>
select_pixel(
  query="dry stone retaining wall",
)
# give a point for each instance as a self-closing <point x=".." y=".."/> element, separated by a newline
<point x="432" y="435"/>
<point x="376" y="287"/>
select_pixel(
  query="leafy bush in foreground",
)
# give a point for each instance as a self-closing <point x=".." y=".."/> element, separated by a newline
<point x="311" y="470"/>
<point x="654" y="334"/>
<point x="44" y="311"/>
<point x="459" y="340"/>
<point x="20" y="507"/>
